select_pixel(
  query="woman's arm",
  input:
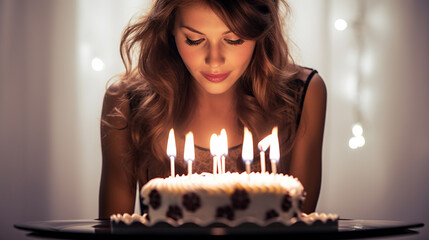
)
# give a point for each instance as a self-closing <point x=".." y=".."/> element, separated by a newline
<point x="306" y="161"/>
<point x="117" y="186"/>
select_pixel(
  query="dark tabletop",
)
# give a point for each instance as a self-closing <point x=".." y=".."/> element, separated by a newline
<point x="102" y="229"/>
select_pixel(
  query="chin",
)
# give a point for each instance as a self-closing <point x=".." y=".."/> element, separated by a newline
<point x="217" y="89"/>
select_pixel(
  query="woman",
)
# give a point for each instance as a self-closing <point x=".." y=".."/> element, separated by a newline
<point x="202" y="66"/>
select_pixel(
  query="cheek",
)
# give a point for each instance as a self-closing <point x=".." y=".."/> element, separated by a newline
<point x="189" y="57"/>
<point x="243" y="55"/>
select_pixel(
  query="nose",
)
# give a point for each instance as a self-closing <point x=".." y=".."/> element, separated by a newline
<point x="215" y="56"/>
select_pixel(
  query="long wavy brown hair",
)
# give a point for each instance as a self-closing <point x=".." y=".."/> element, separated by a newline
<point x="160" y="89"/>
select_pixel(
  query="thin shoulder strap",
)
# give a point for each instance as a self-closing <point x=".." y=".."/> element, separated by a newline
<point x="304" y="92"/>
<point x="306" y="83"/>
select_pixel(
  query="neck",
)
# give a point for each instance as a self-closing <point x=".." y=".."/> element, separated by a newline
<point x="213" y="112"/>
<point x="216" y="103"/>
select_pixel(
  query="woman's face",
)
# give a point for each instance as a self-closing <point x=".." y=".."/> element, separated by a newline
<point x="214" y="55"/>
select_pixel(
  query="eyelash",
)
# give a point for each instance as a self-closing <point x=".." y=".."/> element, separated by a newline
<point x="193" y="43"/>
<point x="235" y="42"/>
<point x="197" y="42"/>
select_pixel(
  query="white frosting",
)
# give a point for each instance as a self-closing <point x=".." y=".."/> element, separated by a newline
<point x="128" y="219"/>
<point x="265" y="192"/>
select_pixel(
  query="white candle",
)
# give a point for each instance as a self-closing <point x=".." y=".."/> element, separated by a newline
<point x="274" y="150"/>
<point x="224" y="149"/>
<point x="263" y="146"/>
<point x="247" y="149"/>
<point x="189" y="153"/>
<point x="171" y="150"/>
<point x="219" y="164"/>
<point x="262" y="157"/>
<point x="214" y="151"/>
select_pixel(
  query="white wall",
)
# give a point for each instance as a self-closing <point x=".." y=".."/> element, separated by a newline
<point x="24" y="115"/>
<point x="50" y="101"/>
<point x="50" y="105"/>
<point x="384" y="86"/>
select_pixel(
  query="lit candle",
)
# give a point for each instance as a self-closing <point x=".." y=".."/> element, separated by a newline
<point x="189" y="153"/>
<point x="263" y="146"/>
<point x="224" y="149"/>
<point x="274" y="150"/>
<point x="247" y="149"/>
<point x="214" y="151"/>
<point x="171" y="150"/>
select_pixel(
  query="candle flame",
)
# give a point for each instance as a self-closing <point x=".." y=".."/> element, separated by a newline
<point x="214" y="145"/>
<point x="247" y="152"/>
<point x="189" y="154"/>
<point x="171" y="144"/>
<point x="264" y="143"/>
<point x="224" y="142"/>
<point x="275" y="148"/>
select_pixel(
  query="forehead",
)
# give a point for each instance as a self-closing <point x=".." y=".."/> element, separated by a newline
<point x="200" y="17"/>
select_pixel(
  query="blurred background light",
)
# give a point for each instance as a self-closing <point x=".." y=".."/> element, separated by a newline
<point x="357" y="129"/>
<point x="340" y="24"/>
<point x="353" y="143"/>
<point x="357" y="140"/>
<point x="97" y="64"/>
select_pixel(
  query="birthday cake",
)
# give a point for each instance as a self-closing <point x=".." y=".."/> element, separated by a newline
<point x="230" y="198"/>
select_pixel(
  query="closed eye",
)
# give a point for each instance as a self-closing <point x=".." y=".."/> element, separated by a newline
<point x="234" y="42"/>
<point x="194" y="42"/>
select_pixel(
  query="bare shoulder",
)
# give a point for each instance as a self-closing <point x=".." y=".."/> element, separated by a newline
<point x="316" y="87"/>
<point x="313" y="111"/>
<point x="115" y="90"/>
<point x="315" y="100"/>
<point x="115" y="93"/>
<point x="115" y="103"/>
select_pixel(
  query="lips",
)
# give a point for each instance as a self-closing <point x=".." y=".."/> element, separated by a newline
<point x="215" y="77"/>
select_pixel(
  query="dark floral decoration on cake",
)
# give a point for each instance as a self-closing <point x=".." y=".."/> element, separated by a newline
<point x="286" y="202"/>
<point x="240" y="199"/>
<point x="301" y="200"/>
<point x="174" y="212"/>
<point x="191" y="201"/>
<point x="225" y="212"/>
<point x="300" y="203"/>
<point x="271" y="214"/>
<point x="154" y="199"/>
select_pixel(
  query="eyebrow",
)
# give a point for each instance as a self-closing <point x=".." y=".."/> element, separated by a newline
<point x="198" y="32"/>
